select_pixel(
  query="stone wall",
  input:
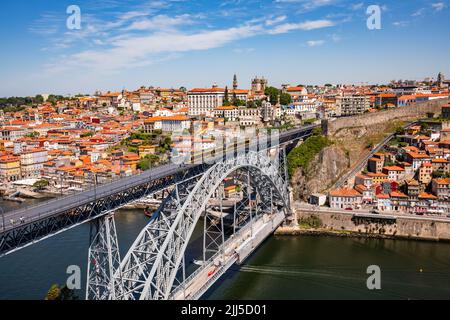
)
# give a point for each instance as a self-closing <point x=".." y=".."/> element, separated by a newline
<point x="398" y="228"/>
<point x="409" y="113"/>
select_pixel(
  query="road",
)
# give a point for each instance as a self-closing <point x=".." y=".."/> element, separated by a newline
<point x="361" y="164"/>
<point x="235" y="250"/>
<point x="367" y="213"/>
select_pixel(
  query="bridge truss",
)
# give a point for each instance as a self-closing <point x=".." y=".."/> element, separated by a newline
<point x="154" y="267"/>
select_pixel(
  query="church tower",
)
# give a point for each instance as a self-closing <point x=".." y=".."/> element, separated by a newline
<point x="440" y="80"/>
<point x="235" y="82"/>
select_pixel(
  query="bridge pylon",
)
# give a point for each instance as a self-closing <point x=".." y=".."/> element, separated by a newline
<point x="103" y="260"/>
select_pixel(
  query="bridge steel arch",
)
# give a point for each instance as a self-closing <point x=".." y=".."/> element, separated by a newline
<point x="150" y="268"/>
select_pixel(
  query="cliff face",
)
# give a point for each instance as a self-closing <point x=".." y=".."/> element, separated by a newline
<point x="321" y="173"/>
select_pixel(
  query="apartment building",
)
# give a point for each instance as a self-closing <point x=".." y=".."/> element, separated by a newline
<point x="205" y="101"/>
<point x="9" y="168"/>
<point x="345" y="198"/>
<point x="441" y="188"/>
<point x="350" y="105"/>
<point x="32" y="162"/>
<point x="167" y="124"/>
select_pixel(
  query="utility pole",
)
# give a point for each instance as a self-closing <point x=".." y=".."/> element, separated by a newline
<point x="60" y="183"/>
<point x="3" y="218"/>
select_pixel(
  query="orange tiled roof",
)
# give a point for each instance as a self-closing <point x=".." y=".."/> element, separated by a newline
<point x="442" y="181"/>
<point x="345" y="193"/>
<point x="170" y="118"/>
<point x="425" y="195"/>
<point x="398" y="194"/>
<point x="394" y="168"/>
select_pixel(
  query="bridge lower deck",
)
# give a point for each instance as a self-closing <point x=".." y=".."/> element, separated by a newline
<point x="235" y="250"/>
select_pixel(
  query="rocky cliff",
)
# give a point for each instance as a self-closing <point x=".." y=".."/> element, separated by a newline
<point x="321" y="173"/>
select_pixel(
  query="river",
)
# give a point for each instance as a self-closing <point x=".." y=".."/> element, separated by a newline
<point x="282" y="268"/>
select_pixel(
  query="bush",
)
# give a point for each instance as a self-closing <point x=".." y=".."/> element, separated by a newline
<point x="312" y="222"/>
<point x="301" y="156"/>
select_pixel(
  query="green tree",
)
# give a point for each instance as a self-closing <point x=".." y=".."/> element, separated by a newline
<point x="39" y="99"/>
<point x="226" y="99"/>
<point x="41" y="184"/>
<point x="57" y="293"/>
<point x="87" y="134"/>
<point x="285" y="99"/>
<point x="33" y="134"/>
<point x="53" y="293"/>
<point x="272" y="93"/>
<point x="148" y="162"/>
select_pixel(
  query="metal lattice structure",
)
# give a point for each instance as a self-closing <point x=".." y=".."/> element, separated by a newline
<point x="104" y="258"/>
<point x="154" y="265"/>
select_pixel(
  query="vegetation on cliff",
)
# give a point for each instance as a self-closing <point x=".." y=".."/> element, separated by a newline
<point x="311" y="222"/>
<point x="301" y="156"/>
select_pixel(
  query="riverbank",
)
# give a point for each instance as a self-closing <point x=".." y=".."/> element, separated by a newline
<point x="297" y="231"/>
<point x="352" y="225"/>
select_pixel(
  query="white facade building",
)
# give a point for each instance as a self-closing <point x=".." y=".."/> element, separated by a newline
<point x="205" y="101"/>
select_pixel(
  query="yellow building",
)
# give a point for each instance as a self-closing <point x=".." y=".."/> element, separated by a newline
<point x="378" y="177"/>
<point x="10" y="168"/>
<point x="146" y="150"/>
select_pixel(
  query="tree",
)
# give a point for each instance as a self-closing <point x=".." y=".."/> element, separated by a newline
<point x="41" y="184"/>
<point x="33" y="134"/>
<point x="272" y="93"/>
<point x="87" y="134"/>
<point x="39" y="99"/>
<point x="285" y="99"/>
<point x="53" y="293"/>
<point x="235" y="99"/>
<point x="148" y="162"/>
<point x="57" y="293"/>
<point x="226" y="99"/>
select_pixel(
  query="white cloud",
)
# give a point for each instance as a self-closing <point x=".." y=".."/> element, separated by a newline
<point x="308" y="25"/>
<point x="400" y="23"/>
<point x="418" y="13"/>
<point x="276" y="20"/>
<point x="357" y="6"/>
<point x="309" y="4"/>
<point x="438" y="6"/>
<point x="315" y="43"/>
<point x="134" y="51"/>
<point x="160" y="22"/>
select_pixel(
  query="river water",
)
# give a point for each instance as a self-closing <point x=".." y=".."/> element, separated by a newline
<point x="281" y="268"/>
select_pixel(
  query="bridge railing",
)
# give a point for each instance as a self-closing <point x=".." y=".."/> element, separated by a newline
<point x="84" y="197"/>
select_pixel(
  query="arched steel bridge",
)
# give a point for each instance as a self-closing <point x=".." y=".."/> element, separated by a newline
<point x="155" y="267"/>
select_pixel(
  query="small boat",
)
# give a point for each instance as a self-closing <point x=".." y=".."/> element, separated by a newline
<point x="198" y="262"/>
<point x="147" y="212"/>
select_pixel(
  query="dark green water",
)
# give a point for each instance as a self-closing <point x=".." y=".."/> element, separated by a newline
<point x="282" y="268"/>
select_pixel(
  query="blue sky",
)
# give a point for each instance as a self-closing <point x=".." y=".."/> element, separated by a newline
<point x="173" y="43"/>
